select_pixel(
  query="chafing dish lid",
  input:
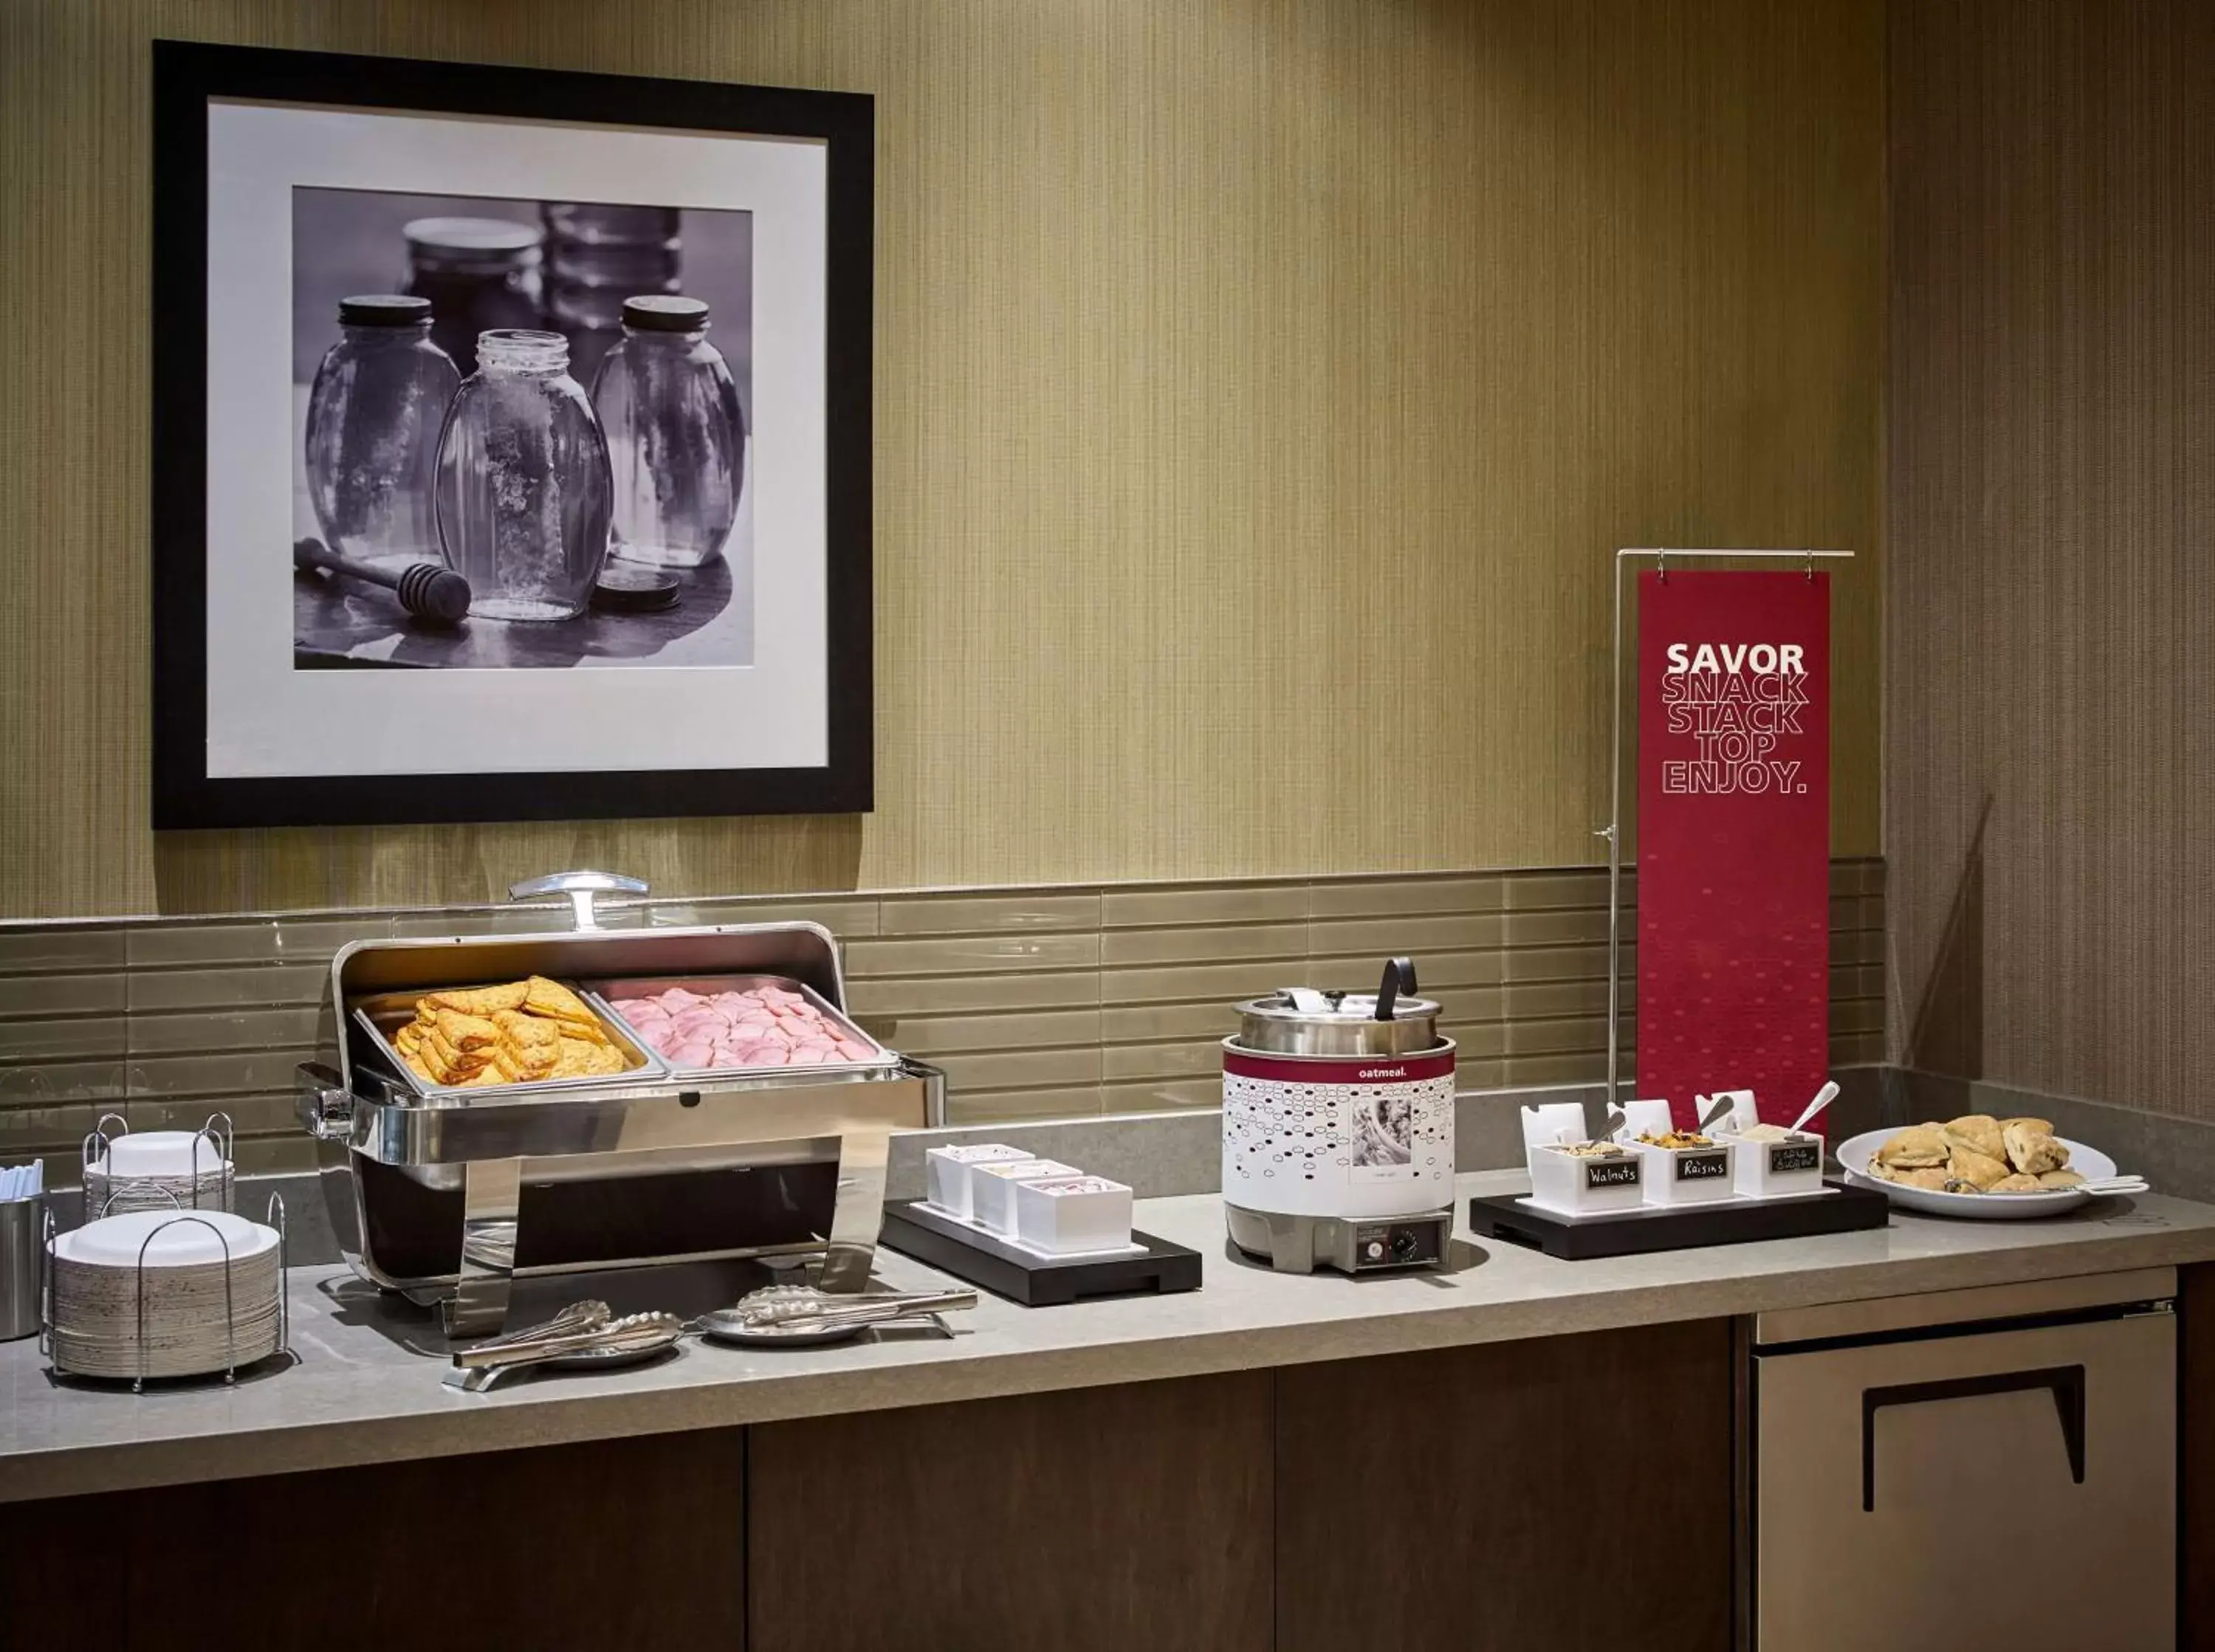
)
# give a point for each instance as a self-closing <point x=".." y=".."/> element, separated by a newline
<point x="803" y="951"/>
<point x="799" y="951"/>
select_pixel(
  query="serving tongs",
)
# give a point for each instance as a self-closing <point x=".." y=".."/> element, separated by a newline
<point x="577" y="1317"/>
<point x="583" y="1332"/>
<point x="803" y="1313"/>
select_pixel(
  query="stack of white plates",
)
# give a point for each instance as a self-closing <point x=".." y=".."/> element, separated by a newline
<point x="98" y="1273"/>
<point x="158" y="1170"/>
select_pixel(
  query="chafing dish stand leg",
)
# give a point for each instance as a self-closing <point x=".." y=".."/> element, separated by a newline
<point x="858" y="1216"/>
<point x="491" y="1192"/>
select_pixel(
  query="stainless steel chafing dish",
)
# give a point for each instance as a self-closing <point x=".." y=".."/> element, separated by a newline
<point x="446" y="1195"/>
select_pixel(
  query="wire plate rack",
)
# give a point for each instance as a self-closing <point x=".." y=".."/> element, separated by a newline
<point x="49" y="1344"/>
<point x="209" y="1190"/>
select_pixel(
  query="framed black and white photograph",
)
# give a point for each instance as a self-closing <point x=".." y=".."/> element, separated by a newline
<point x="511" y="444"/>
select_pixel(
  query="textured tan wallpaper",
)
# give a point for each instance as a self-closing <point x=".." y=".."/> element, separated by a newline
<point x="1261" y="387"/>
<point x="2051" y="584"/>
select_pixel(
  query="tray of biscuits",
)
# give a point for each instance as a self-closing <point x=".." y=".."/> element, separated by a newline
<point x="533" y="1034"/>
<point x="1977" y="1165"/>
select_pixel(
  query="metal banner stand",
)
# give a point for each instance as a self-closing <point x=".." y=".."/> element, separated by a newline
<point x="1613" y="831"/>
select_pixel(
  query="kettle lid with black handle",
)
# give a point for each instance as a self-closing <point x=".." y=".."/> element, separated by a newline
<point x="1394" y="999"/>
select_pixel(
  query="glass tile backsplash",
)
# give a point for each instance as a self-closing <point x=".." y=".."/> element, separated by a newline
<point x="1038" y="1003"/>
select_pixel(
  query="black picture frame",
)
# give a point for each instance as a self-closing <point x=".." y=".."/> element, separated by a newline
<point x="186" y="76"/>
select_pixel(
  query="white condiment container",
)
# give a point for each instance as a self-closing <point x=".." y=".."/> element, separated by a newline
<point x="1727" y="1112"/>
<point x="1772" y="1170"/>
<point x="946" y="1174"/>
<point x="1676" y="1176"/>
<point x="1579" y="1186"/>
<point x="1651" y="1117"/>
<point x="1545" y="1123"/>
<point x="1066" y="1213"/>
<point x="992" y="1188"/>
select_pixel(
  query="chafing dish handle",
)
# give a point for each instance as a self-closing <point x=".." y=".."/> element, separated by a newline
<point x="579" y="886"/>
<point x="492" y="1207"/>
<point x="857" y="1215"/>
<point x="325" y="1104"/>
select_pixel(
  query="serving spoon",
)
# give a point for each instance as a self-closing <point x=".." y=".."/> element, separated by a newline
<point x="1823" y="1096"/>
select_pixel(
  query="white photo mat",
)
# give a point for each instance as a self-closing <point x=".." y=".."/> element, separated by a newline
<point x="264" y="720"/>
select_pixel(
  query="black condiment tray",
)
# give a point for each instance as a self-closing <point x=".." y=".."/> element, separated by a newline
<point x="1843" y="1210"/>
<point x="915" y="1229"/>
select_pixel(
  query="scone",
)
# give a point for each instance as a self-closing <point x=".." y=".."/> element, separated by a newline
<point x="1920" y="1147"/>
<point x="2043" y="1127"/>
<point x="2017" y="1182"/>
<point x="1980" y="1132"/>
<point x="2050" y="1179"/>
<point x="1980" y="1169"/>
<point x="1933" y="1179"/>
<point x="2034" y="1152"/>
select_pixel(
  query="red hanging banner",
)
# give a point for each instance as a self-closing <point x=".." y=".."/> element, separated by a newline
<point x="1733" y="837"/>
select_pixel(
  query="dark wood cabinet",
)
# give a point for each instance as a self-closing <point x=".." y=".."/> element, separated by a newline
<point x="1453" y="1500"/>
<point x="1464" y="1499"/>
<point x="617" y="1543"/>
<point x="1128" y="1518"/>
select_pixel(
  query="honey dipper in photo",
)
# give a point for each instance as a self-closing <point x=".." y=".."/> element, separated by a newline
<point x="429" y="590"/>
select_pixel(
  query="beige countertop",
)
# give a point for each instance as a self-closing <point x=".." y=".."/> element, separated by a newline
<point x="365" y="1386"/>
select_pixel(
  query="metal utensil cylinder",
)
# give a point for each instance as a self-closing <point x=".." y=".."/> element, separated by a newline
<point x="1304" y="1021"/>
<point x="1272" y="1025"/>
<point x="21" y="1233"/>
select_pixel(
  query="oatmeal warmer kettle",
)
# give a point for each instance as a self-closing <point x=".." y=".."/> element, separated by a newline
<point x="1338" y="1129"/>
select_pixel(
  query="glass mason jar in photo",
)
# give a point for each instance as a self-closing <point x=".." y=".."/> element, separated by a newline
<point x="479" y="274"/>
<point x="598" y="255"/>
<point x="523" y="487"/>
<point x="374" y="415"/>
<point x="676" y="435"/>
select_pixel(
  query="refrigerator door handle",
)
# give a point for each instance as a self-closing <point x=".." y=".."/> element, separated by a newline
<point x="2064" y="1382"/>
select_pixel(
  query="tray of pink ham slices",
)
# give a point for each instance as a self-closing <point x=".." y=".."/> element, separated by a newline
<point x="737" y="1023"/>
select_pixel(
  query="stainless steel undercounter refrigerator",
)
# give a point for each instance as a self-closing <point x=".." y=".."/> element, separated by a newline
<point x="1992" y="1467"/>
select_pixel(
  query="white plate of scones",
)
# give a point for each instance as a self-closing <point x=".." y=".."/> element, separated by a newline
<point x="1998" y="1169"/>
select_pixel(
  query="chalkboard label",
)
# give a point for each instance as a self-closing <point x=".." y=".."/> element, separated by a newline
<point x="1786" y="1157"/>
<point x="1610" y="1172"/>
<point x="1701" y="1167"/>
